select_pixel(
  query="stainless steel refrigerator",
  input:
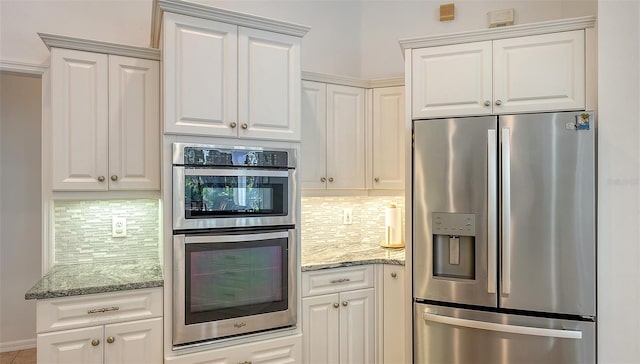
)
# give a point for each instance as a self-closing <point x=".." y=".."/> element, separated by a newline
<point x="504" y="243"/>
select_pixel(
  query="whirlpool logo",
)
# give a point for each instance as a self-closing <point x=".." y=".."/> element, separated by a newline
<point x="239" y="325"/>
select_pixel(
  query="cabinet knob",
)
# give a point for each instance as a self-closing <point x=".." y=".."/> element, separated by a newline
<point x="336" y="305"/>
<point x="100" y="178"/>
<point x="498" y="102"/>
<point x="394" y="274"/>
<point x="345" y="303"/>
<point x="376" y="179"/>
<point x="487" y="103"/>
<point x="95" y="342"/>
<point x="331" y="179"/>
<point x="323" y="179"/>
<point x="114" y="178"/>
<point x="245" y="126"/>
<point x="233" y="124"/>
<point x="111" y="339"/>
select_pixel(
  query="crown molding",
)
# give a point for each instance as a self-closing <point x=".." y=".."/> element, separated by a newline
<point x="222" y="15"/>
<point x="22" y="68"/>
<point x="352" y="81"/>
<point x="62" y="41"/>
<point x="551" y="26"/>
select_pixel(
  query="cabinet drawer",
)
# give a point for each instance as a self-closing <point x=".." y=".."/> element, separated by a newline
<point x="81" y="311"/>
<point x="336" y="280"/>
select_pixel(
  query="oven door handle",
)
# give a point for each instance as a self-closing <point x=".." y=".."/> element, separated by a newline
<point x="235" y="238"/>
<point x="235" y="172"/>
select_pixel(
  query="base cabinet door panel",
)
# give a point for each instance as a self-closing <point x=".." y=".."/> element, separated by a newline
<point x="321" y="322"/>
<point x="79" y="346"/>
<point x="394" y="304"/>
<point x="134" y="342"/>
<point x="357" y="331"/>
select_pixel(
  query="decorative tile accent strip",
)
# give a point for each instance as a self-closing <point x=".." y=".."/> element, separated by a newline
<point x="83" y="231"/>
<point x="322" y="219"/>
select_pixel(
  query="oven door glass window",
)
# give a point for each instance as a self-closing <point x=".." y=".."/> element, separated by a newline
<point x="210" y="196"/>
<point x="229" y="280"/>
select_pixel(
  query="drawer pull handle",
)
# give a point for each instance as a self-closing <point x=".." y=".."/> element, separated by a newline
<point x="341" y="280"/>
<point x="104" y="309"/>
<point x="244" y="362"/>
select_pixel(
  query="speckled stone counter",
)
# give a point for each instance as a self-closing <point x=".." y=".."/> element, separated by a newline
<point x="89" y="278"/>
<point x="319" y="256"/>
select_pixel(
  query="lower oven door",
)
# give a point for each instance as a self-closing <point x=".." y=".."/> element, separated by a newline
<point x="233" y="284"/>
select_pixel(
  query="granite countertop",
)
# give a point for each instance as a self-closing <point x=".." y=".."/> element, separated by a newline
<point x="89" y="278"/>
<point x="334" y="255"/>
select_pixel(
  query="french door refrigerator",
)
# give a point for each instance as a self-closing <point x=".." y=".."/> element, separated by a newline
<point x="504" y="239"/>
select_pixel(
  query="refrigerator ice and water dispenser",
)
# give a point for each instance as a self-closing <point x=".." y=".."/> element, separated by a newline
<point x="454" y="252"/>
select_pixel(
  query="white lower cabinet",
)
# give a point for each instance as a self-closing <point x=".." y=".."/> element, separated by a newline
<point x="123" y="327"/>
<point x="339" y="327"/>
<point x="394" y="302"/>
<point x="133" y="342"/>
<point x="273" y="351"/>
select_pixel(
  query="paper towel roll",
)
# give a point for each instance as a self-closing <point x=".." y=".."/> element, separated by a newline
<point x="393" y="227"/>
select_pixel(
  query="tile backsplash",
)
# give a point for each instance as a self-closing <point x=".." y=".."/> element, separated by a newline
<point x="82" y="230"/>
<point x="322" y="219"/>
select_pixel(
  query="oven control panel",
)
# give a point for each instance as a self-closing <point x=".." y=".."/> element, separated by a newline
<point x="198" y="155"/>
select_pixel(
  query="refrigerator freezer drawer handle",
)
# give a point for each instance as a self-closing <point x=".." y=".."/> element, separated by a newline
<point x="512" y="329"/>
<point x="492" y="223"/>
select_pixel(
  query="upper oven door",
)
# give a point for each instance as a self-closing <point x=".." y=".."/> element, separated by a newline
<point x="205" y="198"/>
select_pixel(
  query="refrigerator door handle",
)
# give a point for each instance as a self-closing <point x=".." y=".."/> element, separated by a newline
<point x="492" y="188"/>
<point x="506" y="211"/>
<point x="512" y="329"/>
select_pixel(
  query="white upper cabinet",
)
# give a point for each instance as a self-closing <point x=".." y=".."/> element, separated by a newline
<point x="225" y="80"/>
<point x="104" y="122"/>
<point x="80" y="119"/>
<point x="313" y="146"/>
<point x="200" y="75"/>
<point x="269" y="85"/>
<point x="388" y="138"/>
<point x="452" y="80"/>
<point x="333" y="137"/>
<point x="541" y="72"/>
<point x="134" y="124"/>
<point x="345" y="137"/>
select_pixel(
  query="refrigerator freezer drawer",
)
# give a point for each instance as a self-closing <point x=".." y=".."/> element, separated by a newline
<point x="457" y="336"/>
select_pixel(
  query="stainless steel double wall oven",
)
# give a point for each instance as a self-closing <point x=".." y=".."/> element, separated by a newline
<point x="234" y="241"/>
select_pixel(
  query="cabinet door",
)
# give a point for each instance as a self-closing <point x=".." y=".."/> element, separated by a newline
<point x="200" y="76"/>
<point x="71" y="346"/>
<point x="269" y="85"/>
<point x="134" y="124"/>
<point x="313" y="146"/>
<point x="345" y="137"/>
<point x="320" y="323"/>
<point x="539" y="73"/>
<point x="357" y="329"/>
<point x="451" y="80"/>
<point x="388" y="138"/>
<point x="79" y="91"/>
<point x="393" y="308"/>
<point x="134" y="342"/>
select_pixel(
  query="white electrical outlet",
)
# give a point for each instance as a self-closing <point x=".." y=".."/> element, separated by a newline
<point x="118" y="227"/>
<point x="347" y="216"/>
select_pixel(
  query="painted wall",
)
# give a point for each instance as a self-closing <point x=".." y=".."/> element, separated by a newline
<point x="20" y="201"/>
<point x="618" y="182"/>
<point x="355" y="38"/>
